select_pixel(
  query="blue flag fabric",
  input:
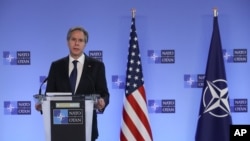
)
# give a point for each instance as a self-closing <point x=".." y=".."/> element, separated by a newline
<point x="214" y="116"/>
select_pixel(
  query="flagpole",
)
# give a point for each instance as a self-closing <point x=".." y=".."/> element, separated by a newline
<point x="215" y="12"/>
<point x="135" y="122"/>
<point x="214" y="116"/>
<point x="133" y="12"/>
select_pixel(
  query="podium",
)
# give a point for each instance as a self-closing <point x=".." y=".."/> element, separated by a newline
<point x="67" y="117"/>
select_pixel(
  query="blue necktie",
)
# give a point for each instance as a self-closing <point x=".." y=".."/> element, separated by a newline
<point x="73" y="77"/>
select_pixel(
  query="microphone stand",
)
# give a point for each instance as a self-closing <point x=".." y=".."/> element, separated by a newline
<point x="40" y="90"/>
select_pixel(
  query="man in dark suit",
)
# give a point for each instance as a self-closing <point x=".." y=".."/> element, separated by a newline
<point x="90" y="78"/>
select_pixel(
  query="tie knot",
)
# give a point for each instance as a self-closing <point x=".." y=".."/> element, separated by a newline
<point x="74" y="62"/>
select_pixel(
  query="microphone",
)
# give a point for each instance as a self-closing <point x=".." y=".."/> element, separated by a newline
<point x="40" y="90"/>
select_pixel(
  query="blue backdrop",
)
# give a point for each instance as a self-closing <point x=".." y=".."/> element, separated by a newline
<point x="33" y="34"/>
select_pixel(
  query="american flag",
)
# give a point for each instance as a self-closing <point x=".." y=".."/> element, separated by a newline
<point x="135" y="123"/>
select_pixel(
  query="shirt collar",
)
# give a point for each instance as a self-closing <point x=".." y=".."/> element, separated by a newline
<point x="80" y="59"/>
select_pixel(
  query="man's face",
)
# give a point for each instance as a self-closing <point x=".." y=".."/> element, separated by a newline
<point x="76" y="43"/>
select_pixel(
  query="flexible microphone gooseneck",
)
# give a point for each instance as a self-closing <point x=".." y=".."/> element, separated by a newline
<point x="40" y="89"/>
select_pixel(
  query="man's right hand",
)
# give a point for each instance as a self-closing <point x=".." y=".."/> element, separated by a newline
<point x="38" y="107"/>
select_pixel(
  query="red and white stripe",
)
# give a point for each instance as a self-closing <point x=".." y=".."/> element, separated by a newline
<point x="135" y="124"/>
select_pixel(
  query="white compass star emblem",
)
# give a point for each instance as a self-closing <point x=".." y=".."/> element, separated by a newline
<point x="154" y="106"/>
<point x="118" y="82"/>
<point x="153" y="56"/>
<point x="9" y="58"/>
<point x="10" y="108"/>
<point x="215" y="98"/>
<point x="61" y="116"/>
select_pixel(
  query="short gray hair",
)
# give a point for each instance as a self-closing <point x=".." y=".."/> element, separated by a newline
<point x="85" y="32"/>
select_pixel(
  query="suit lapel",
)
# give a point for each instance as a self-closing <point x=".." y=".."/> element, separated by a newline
<point x="84" y="80"/>
<point x="65" y="72"/>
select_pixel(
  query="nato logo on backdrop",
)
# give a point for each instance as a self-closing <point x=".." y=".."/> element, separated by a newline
<point x="16" y="57"/>
<point x="235" y="55"/>
<point x="194" y="80"/>
<point x="97" y="54"/>
<point x="161" y="106"/>
<point x="161" y="56"/>
<point x="17" y="107"/>
<point x="118" y="81"/>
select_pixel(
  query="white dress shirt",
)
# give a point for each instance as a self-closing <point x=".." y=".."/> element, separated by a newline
<point x="80" y="64"/>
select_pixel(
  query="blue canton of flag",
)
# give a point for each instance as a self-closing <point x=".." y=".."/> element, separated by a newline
<point x="214" y="116"/>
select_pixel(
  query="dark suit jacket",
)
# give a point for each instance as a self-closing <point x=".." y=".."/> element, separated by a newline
<point x="92" y="81"/>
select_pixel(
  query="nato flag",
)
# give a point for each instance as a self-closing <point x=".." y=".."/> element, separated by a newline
<point x="214" y="116"/>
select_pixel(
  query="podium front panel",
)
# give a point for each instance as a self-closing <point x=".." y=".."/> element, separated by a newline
<point x="67" y="121"/>
<point x="72" y="104"/>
